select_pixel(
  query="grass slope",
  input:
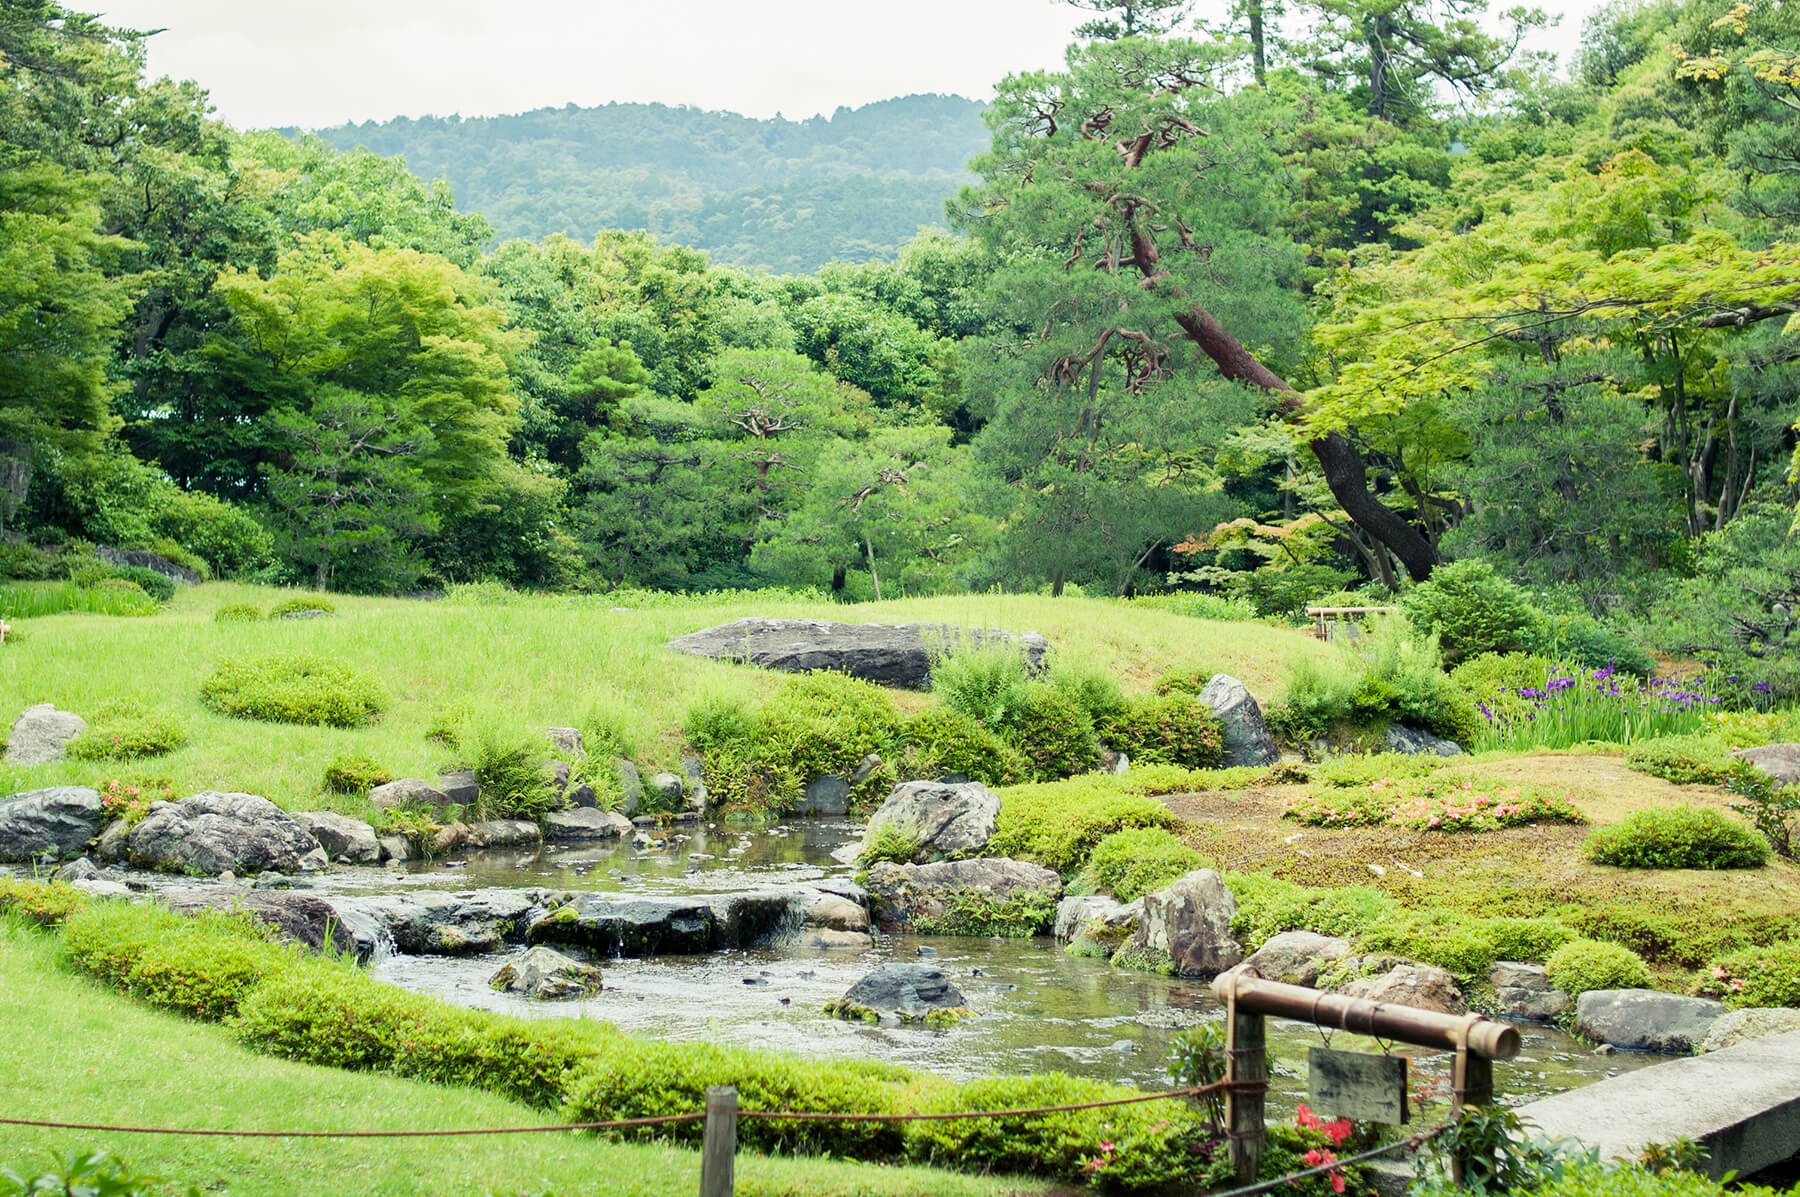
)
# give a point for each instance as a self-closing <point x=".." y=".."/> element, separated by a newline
<point x="76" y="1053"/>
<point x="524" y="663"/>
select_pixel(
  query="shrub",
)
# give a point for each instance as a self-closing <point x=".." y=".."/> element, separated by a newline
<point x="1697" y="759"/>
<point x="238" y="613"/>
<point x="1093" y="691"/>
<point x="1054" y="734"/>
<point x="1139" y="861"/>
<point x="1680" y="837"/>
<point x="941" y="741"/>
<point x="349" y="774"/>
<point x="1169" y="729"/>
<point x="125" y="730"/>
<point x="510" y="772"/>
<point x="332" y="1017"/>
<point x="1585" y="642"/>
<point x="1388" y="677"/>
<point x="1151" y="1144"/>
<point x="1197" y="604"/>
<point x="45" y="902"/>
<point x="24" y="563"/>
<point x="1268" y="906"/>
<point x="1773" y="809"/>
<point x="889" y="843"/>
<point x="1434" y="805"/>
<point x="1584" y="964"/>
<point x="606" y="734"/>
<point x="985" y="680"/>
<point x="1759" y="976"/>
<point x="292" y="689"/>
<point x="1183" y="681"/>
<point x="299" y="603"/>
<point x="98" y="574"/>
<point x="1472" y="610"/>
<point x="203" y="966"/>
<point x="1466" y="946"/>
<point x="1058" y="824"/>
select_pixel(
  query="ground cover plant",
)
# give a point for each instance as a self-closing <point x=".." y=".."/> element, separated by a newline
<point x="1431" y="804"/>
<point x="292" y="689"/>
<point x="1681" y="837"/>
<point x="126" y="729"/>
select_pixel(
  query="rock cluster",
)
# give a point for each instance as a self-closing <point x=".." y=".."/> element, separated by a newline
<point x="889" y="654"/>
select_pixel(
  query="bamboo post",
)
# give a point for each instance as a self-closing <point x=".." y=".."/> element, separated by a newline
<point x="1246" y="1059"/>
<point x="1472" y="1082"/>
<point x="719" y="1150"/>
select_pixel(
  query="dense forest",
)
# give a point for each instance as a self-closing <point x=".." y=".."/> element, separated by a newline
<point x="781" y="195"/>
<point x="1260" y="316"/>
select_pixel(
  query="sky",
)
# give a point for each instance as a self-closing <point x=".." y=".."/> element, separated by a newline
<point x="314" y="63"/>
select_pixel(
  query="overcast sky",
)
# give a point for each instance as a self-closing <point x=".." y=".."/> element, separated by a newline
<point x="322" y="62"/>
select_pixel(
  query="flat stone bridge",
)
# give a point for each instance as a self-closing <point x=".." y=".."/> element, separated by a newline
<point x="1742" y="1104"/>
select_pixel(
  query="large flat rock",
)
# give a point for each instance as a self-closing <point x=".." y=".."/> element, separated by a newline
<point x="889" y="654"/>
<point x="1741" y="1103"/>
<point x="687" y="925"/>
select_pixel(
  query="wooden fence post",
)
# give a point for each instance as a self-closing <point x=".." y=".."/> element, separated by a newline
<point x="1472" y="1084"/>
<point x="718" y="1153"/>
<point x="1246" y="1059"/>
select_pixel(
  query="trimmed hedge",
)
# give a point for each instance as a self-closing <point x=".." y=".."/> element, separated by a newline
<point x="1057" y="824"/>
<point x="1140" y="860"/>
<point x="1584" y="964"/>
<point x="293" y="689"/>
<point x="1679" y="837"/>
<point x="125" y="730"/>
<point x="1169" y="729"/>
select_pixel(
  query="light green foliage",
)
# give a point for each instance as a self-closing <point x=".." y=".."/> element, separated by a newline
<point x="985" y="680"/>
<point x="203" y="966"/>
<point x="1758" y="976"/>
<point x="979" y="912"/>
<point x="1592" y="1179"/>
<point x="46" y="902"/>
<point x="1679" y="837"/>
<point x="238" y="613"/>
<point x="1389" y="676"/>
<point x="124" y="730"/>
<point x="1432" y="805"/>
<point x="1095" y="691"/>
<point x="1057" y="824"/>
<point x="1467" y="946"/>
<point x="1471" y="610"/>
<point x="350" y="773"/>
<point x="1183" y="681"/>
<point x="510" y="772"/>
<point x="95" y="1172"/>
<point x="1584" y="964"/>
<point x="1138" y="861"/>
<point x="1170" y="729"/>
<point x="1360" y="770"/>
<point x="888" y="843"/>
<point x="1773" y="809"/>
<point x="1700" y="758"/>
<point x="1054" y="733"/>
<point x="301" y="603"/>
<point x="292" y="689"/>
<point x="941" y="741"/>
<point x="1268" y="906"/>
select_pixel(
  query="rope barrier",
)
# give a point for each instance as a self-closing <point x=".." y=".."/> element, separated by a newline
<point x="1264" y="1186"/>
<point x="629" y="1123"/>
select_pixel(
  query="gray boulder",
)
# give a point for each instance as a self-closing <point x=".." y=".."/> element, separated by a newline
<point x="1297" y="957"/>
<point x="143" y="559"/>
<point x="301" y="917"/>
<point x="114" y="844"/>
<point x="1247" y="738"/>
<point x="408" y="791"/>
<point x="1741" y="1026"/>
<point x="504" y="833"/>
<point x="585" y="823"/>
<point x="1071" y="913"/>
<point x="213" y="833"/>
<point x="838" y="914"/>
<point x="79" y="869"/>
<point x="945" y="819"/>
<point x="396" y="848"/>
<point x="1780" y="761"/>
<point x="905" y="992"/>
<point x="342" y="837"/>
<point x="610" y="925"/>
<point x="1645" y="1020"/>
<point x="473" y="923"/>
<point x="1186" y="929"/>
<point x="460" y="786"/>
<point x="1416" y="741"/>
<point x="57" y="822"/>
<point x="889" y="654"/>
<point x="567" y="741"/>
<point x="826" y="795"/>
<point x="631" y="786"/>
<point x="100" y="887"/>
<point x="1096" y="927"/>
<point x="1424" y="986"/>
<point x="40" y="734"/>
<point x="1525" y="991"/>
<point x="547" y="974"/>
<point x="906" y="895"/>
<point x="693" y="773"/>
<point x="665" y="790"/>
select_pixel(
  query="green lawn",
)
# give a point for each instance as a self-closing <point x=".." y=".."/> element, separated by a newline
<point x="76" y="1053"/>
<point x="531" y="662"/>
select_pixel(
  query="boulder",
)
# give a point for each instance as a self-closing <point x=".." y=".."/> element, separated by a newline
<point x="304" y="613"/>
<point x="472" y="923"/>
<point x="1096" y="927"/>
<point x="100" y="887"/>
<point x="905" y="895"/>
<point x="546" y="973"/>
<point x="143" y="559"/>
<point x="1645" y="1020"/>
<point x="826" y="795"/>
<point x="396" y="848"/>
<point x="409" y="791"/>
<point x="945" y="819"/>
<point x="1741" y="1026"/>
<point x="903" y="992"/>
<point x="1416" y="741"/>
<point x="1297" y="957"/>
<point x="301" y="917"/>
<point x="1247" y="738"/>
<point x="838" y="914"/>
<point x="889" y="654"/>
<point x="631" y="787"/>
<point x="449" y="838"/>
<point x="1780" y="761"/>
<point x="40" y="734"/>
<point x="585" y="823"/>
<point x="1525" y="991"/>
<point x="342" y="837"/>
<point x="213" y="833"/>
<point x="567" y="741"/>
<point x="503" y="833"/>
<point x="612" y="925"/>
<point x="57" y="822"/>
<point x="313" y="862"/>
<point x="665" y="790"/>
<point x="824" y="937"/>
<point x="693" y="772"/>
<point x="1186" y="928"/>
<point x="79" y="869"/>
<point x="1071" y="913"/>
<point x="460" y="786"/>
<point x="1424" y="986"/>
<point x="114" y="844"/>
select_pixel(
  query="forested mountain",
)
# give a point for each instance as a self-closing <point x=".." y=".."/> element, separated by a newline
<point x="779" y="194"/>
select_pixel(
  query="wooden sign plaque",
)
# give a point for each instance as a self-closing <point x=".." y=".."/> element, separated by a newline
<point x="1360" y="1086"/>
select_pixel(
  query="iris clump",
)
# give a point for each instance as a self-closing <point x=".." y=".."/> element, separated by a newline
<point x="1571" y="705"/>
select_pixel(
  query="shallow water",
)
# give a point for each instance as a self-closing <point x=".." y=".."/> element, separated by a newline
<point x="1039" y="1009"/>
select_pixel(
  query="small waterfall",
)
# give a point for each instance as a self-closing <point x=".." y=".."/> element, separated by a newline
<point x="374" y="941"/>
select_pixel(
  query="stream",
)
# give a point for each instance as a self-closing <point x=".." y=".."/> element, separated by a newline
<point x="1040" y="1009"/>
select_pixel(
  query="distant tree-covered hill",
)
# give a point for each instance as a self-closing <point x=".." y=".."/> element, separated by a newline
<point x="786" y="195"/>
